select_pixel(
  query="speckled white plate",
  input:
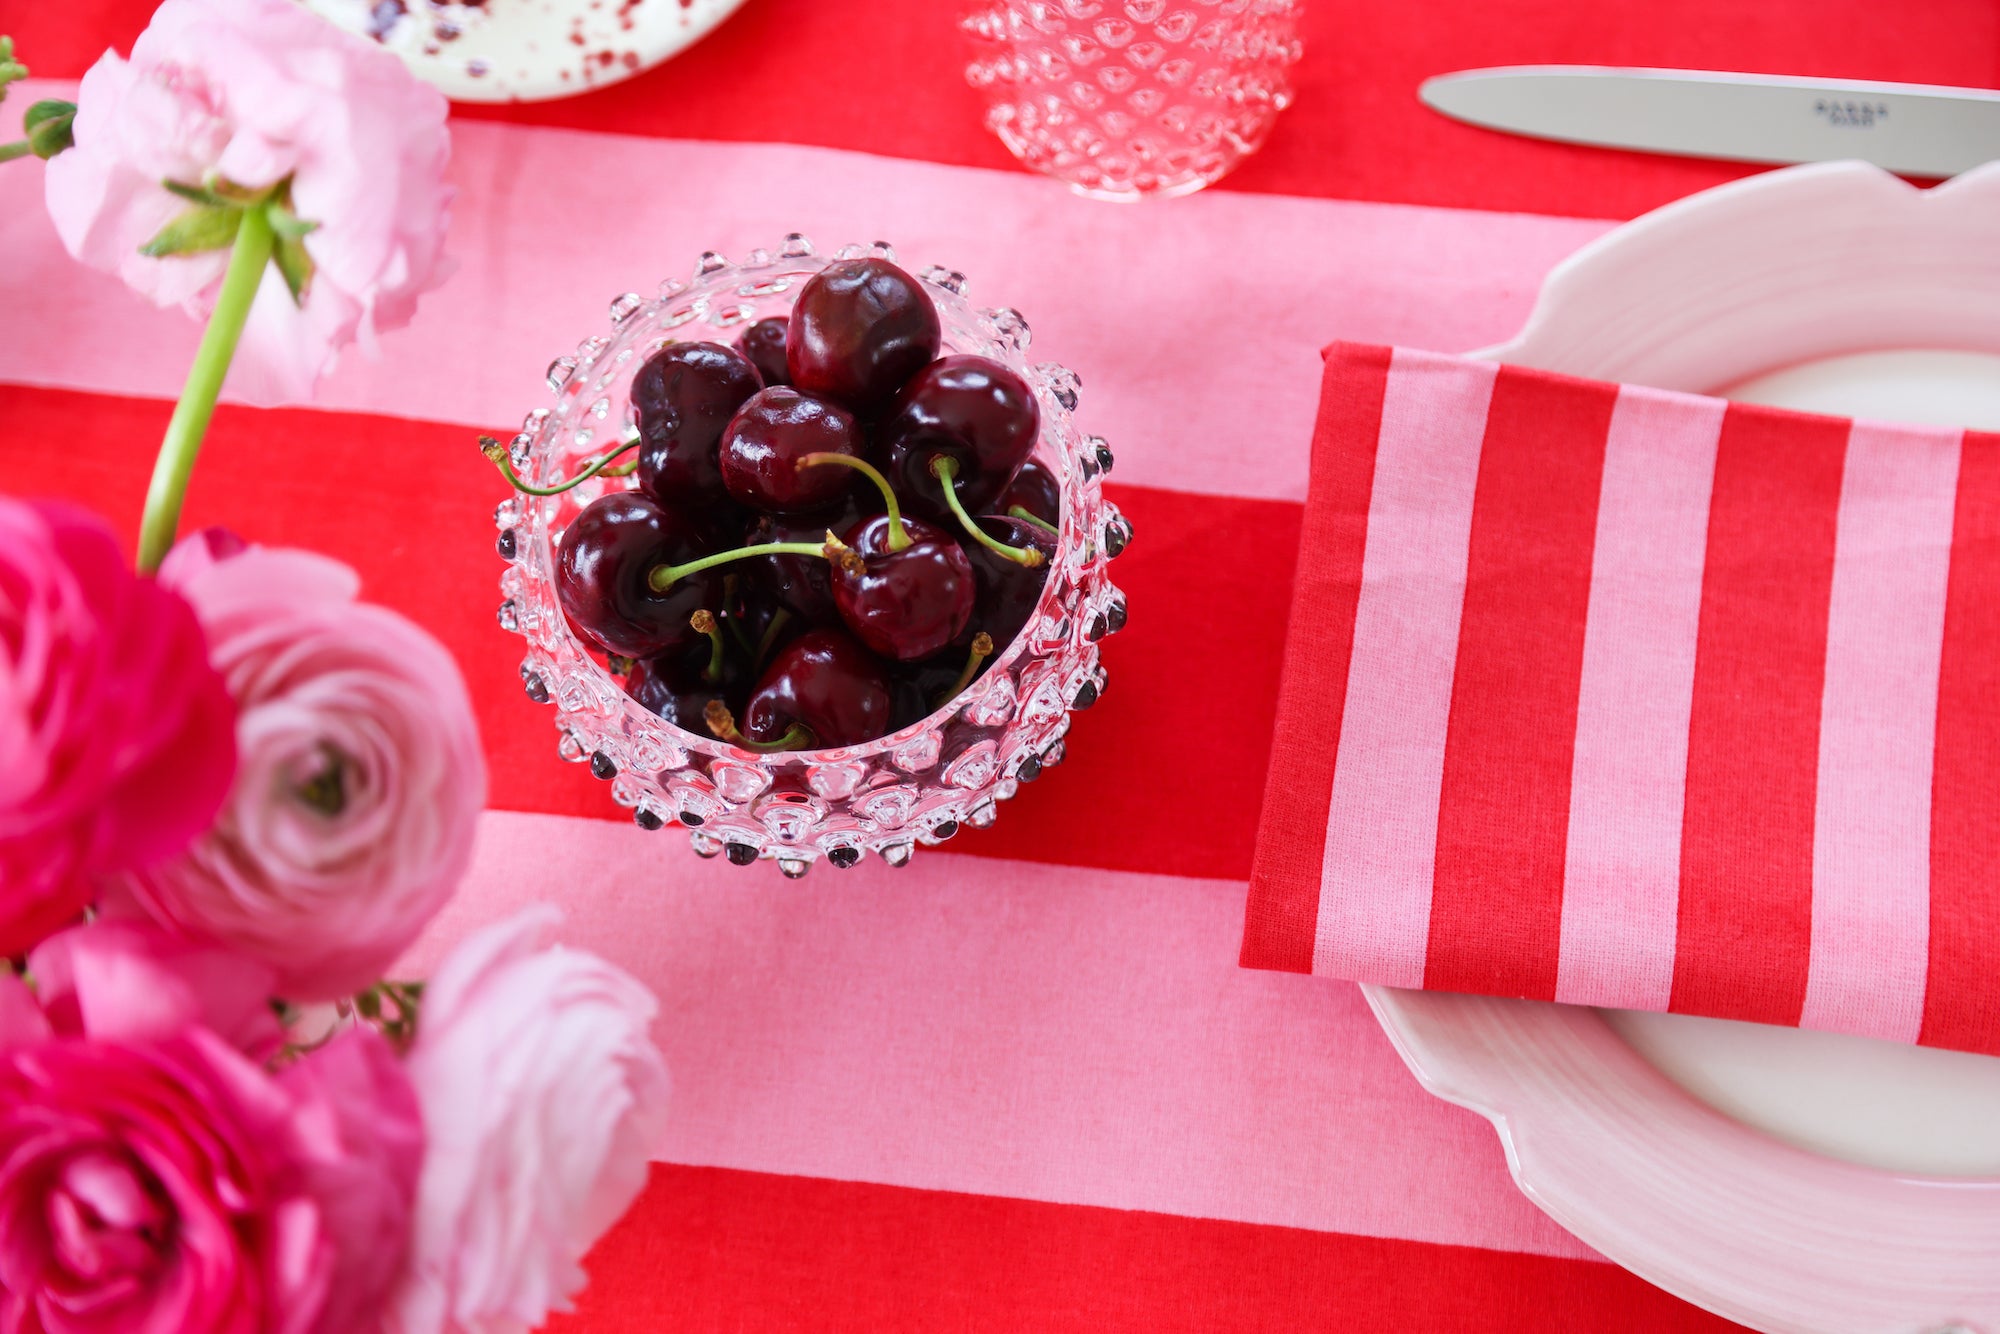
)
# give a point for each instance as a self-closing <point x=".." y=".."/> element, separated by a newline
<point x="1793" y="1181"/>
<point x="527" y="50"/>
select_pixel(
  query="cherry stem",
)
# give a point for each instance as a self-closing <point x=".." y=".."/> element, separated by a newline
<point x="720" y="721"/>
<point x="1026" y="515"/>
<point x="982" y="649"/>
<point x="945" y="469"/>
<point x="899" y="536"/>
<point x="729" y="582"/>
<point x="703" y="622"/>
<point x="664" y="577"/>
<point x="771" y="632"/>
<point x="497" y="453"/>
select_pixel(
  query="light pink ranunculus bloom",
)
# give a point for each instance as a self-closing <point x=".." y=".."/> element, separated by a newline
<point x="544" y="1099"/>
<point x="157" y="1179"/>
<point x="117" y="738"/>
<point x="252" y="92"/>
<point x="357" y="1108"/>
<point x="360" y="782"/>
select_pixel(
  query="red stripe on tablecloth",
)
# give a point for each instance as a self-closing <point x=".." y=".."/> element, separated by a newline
<point x="1745" y="920"/>
<point x="885" y="78"/>
<point x="1961" y="1004"/>
<point x="711" y="1249"/>
<point x="409" y="504"/>
<point x="1503" y="809"/>
<point x="1284" y="889"/>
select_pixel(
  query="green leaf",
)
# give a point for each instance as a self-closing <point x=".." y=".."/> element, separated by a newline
<point x="295" y="264"/>
<point x="202" y="228"/>
<point x="289" y="224"/>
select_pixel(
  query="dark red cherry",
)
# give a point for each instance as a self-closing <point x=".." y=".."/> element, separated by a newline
<point x="918" y="688"/>
<point x="602" y="568"/>
<point x="860" y="328"/>
<point x="969" y="409"/>
<point x="1036" y="490"/>
<point x="684" y="396"/>
<point x="756" y="627"/>
<point x="802" y="585"/>
<point x="676" y="686"/>
<point x="903" y="604"/>
<point x="1005" y="592"/>
<point x="764" y="344"/>
<point x="764" y="442"/>
<point x="825" y="682"/>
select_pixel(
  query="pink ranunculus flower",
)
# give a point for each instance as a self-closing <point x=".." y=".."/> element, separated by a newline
<point x="134" y="980"/>
<point x="360" y="783"/>
<point x="253" y="92"/>
<point x="355" y="1099"/>
<point x="544" y="1098"/>
<point x="117" y="737"/>
<point x="156" y="1179"/>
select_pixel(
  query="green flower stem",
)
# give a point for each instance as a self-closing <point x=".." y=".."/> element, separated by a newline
<point x="182" y="445"/>
<point x="19" y="148"/>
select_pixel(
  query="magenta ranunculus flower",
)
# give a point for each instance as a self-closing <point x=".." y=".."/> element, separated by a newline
<point x="155" y="1179"/>
<point x="360" y="781"/>
<point x="151" y="1188"/>
<point x="253" y="92"/>
<point x="117" y="737"/>
<point x="543" y="1098"/>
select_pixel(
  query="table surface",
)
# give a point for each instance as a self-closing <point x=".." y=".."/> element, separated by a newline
<point x="1021" y="1084"/>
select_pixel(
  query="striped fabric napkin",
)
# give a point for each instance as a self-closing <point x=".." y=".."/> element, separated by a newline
<point x="1602" y="694"/>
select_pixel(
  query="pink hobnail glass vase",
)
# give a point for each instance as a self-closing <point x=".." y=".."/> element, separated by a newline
<point x="1128" y="99"/>
<point x="913" y="787"/>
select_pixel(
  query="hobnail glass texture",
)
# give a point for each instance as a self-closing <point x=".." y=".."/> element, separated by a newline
<point x="915" y="786"/>
<point x="1124" y="99"/>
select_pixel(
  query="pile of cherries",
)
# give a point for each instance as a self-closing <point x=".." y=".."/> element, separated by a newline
<point x="834" y="529"/>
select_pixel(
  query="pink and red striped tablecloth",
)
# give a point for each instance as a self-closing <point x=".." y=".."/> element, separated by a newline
<point x="1613" y="696"/>
<point x="1022" y="1084"/>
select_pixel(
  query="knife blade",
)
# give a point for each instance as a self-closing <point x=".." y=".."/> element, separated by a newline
<point x="1911" y="128"/>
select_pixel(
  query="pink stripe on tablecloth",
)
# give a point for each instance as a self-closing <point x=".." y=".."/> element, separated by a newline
<point x="1006" y="1028"/>
<point x="1622" y="872"/>
<point x="551" y="224"/>
<point x="1382" y="817"/>
<point x="1878" y="732"/>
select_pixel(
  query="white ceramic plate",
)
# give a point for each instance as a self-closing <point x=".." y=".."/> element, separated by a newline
<point x="1792" y="1181"/>
<point x="527" y="50"/>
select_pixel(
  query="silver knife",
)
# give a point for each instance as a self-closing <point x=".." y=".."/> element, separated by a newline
<point x="1912" y="128"/>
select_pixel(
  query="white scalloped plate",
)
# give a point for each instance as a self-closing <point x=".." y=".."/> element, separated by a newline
<point x="527" y="50"/>
<point x="1792" y="1181"/>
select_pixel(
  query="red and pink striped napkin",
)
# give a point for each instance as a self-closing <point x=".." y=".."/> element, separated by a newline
<point x="1603" y="694"/>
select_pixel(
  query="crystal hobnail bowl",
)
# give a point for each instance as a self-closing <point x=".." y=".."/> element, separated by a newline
<point x="914" y="786"/>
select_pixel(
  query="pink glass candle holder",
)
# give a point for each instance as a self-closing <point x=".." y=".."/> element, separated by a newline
<point x="1125" y="99"/>
<point x="914" y="786"/>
